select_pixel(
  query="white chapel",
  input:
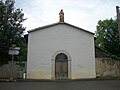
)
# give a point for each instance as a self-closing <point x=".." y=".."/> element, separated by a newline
<point x="60" y="51"/>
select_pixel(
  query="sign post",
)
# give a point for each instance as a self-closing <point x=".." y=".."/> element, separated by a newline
<point x="13" y="50"/>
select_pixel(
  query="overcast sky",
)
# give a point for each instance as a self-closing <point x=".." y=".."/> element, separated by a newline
<point x="82" y="13"/>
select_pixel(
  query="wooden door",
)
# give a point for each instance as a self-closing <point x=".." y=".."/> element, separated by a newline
<point x="61" y="69"/>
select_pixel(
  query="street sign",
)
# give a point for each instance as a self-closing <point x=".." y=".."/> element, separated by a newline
<point x="17" y="48"/>
<point x="14" y="51"/>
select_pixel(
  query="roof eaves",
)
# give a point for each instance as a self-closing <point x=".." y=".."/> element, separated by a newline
<point x="39" y="28"/>
<point x="79" y="28"/>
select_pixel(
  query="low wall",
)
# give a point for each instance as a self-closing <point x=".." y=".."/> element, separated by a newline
<point x="107" y="67"/>
<point x="17" y="69"/>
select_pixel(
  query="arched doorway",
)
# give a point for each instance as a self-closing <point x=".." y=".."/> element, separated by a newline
<point x="61" y="66"/>
<point x="61" y="58"/>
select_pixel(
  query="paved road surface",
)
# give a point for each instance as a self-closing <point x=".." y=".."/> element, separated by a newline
<point x="62" y="85"/>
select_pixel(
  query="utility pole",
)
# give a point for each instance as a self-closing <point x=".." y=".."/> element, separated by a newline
<point x="118" y="20"/>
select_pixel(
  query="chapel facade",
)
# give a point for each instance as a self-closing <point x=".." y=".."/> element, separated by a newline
<point x="60" y="51"/>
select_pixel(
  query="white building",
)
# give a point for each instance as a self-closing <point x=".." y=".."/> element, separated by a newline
<point x="60" y="51"/>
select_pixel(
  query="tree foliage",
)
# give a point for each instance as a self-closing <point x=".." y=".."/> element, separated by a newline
<point x="107" y="36"/>
<point x="11" y="28"/>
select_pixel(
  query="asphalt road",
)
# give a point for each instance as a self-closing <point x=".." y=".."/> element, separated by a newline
<point x="62" y="85"/>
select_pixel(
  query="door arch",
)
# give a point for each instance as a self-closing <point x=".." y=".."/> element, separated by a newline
<point x="61" y="59"/>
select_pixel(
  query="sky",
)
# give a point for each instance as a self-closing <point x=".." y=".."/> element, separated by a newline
<point x="81" y="13"/>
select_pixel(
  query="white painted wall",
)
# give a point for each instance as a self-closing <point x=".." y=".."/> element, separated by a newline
<point x="43" y="44"/>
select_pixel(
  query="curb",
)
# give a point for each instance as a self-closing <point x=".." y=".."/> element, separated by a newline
<point x="48" y="80"/>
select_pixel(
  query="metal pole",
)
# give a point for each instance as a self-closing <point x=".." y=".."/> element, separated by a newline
<point x="11" y="78"/>
<point x="118" y="20"/>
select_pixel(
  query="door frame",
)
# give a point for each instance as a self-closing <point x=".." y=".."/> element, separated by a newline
<point x="53" y="63"/>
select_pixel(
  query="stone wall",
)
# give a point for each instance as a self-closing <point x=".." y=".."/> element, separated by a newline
<point x="18" y="69"/>
<point x="107" y="67"/>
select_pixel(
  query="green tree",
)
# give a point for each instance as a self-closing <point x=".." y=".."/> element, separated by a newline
<point x="107" y="36"/>
<point x="11" y="28"/>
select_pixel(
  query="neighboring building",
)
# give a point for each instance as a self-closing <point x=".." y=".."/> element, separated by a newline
<point x="100" y="53"/>
<point x="60" y="51"/>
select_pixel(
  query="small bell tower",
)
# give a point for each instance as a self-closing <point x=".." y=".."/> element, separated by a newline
<point x="61" y="16"/>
